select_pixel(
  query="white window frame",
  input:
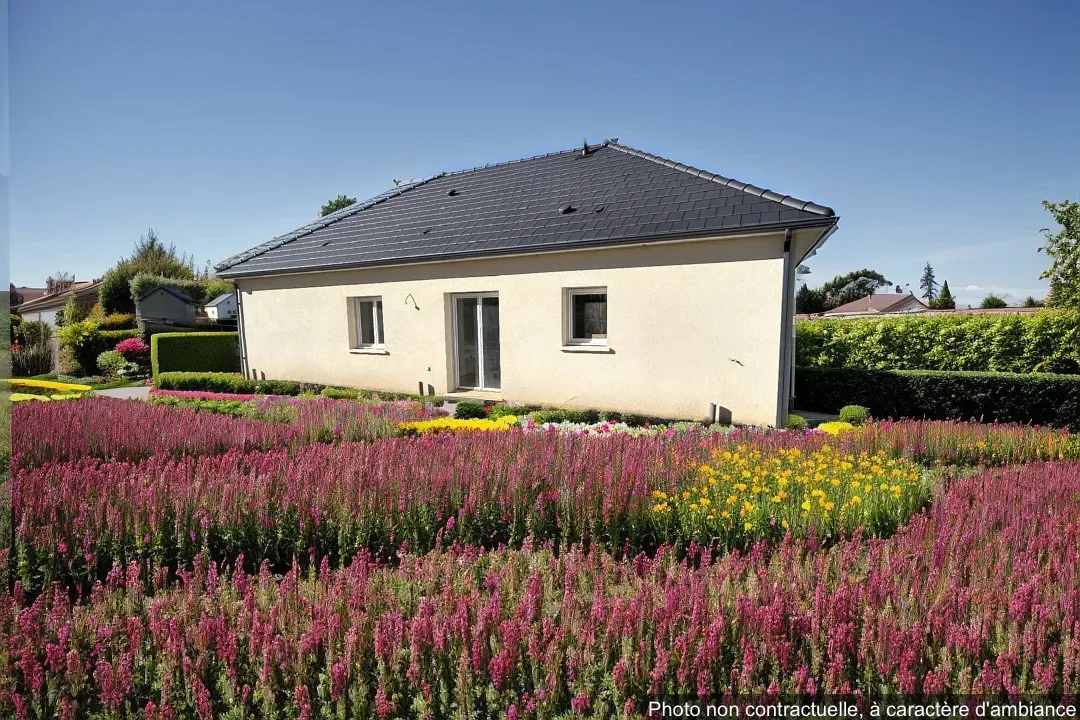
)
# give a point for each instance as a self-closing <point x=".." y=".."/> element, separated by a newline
<point x="568" y="314"/>
<point x="378" y="331"/>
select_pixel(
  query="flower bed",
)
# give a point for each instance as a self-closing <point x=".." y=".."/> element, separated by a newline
<point x="980" y="595"/>
<point x="448" y="424"/>
<point x="201" y="395"/>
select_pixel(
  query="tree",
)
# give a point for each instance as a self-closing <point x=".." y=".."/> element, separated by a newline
<point x="1030" y="302"/>
<point x="809" y="301"/>
<point x="993" y="301"/>
<point x="15" y="298"/>
<point x="150" y="256"/>
<point x="928" y="284"/>
<point x="944" y="299"/>
<point x="339" y="203"/>
<point x="1063" y="249"/>
<point x="838" y="291"/>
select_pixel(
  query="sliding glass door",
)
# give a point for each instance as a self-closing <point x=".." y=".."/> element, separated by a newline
<point x="476" y="341"/>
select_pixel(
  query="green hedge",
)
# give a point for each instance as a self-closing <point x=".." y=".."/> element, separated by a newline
<point x="194" y="352"/>
<point x="1041" y="399"/>
<point x="226" y="382"/>
<point x="988" y="343"/>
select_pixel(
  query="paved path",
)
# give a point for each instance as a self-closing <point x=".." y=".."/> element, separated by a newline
<point x="139" y="392"/>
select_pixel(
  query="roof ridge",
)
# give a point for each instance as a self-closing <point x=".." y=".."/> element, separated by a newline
<point x="524" y="159"/>
<point x="322" y="222"/>
<point x="788" y="200"/>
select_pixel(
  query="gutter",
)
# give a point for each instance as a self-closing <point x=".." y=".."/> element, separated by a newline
<point x="786" y="327"/>
<point x="592" y="244"/>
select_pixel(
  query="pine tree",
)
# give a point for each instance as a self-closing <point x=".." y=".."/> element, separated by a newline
<point x="945" y="299"/>
<point x="928" y="284"/>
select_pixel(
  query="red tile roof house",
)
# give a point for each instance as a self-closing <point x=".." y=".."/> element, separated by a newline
<point x="878" y="304"/>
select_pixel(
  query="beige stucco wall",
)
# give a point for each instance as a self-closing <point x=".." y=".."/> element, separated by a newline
<point x="689" y="323"/>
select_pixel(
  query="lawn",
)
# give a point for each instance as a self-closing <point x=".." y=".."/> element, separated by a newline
<point x="211" y="556"/>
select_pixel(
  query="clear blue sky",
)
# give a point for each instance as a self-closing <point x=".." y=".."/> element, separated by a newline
<point x="933" y="128"/>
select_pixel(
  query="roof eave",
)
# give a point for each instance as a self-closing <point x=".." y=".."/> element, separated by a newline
<point x="823" y="221"/>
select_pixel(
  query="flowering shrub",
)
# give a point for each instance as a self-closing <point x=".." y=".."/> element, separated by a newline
<point x="44" y="387"/>
<point x="745" y="492"/>
<point x="448" y="424"/>
<point x="979" y="595"/>
<point x="835" y="427"/>
<point x="134" y="350"/>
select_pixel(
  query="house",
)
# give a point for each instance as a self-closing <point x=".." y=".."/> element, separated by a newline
<point x="166" y="306"/>
<point x="46" y="306"/>
<point x="879" y="303"/>
<point x="599" y="277"/>
<point x="223" y="307"/>
<point x="25" y="294"/>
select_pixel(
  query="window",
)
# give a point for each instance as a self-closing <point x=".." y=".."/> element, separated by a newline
<point x="367" y="322"/>
<point x="587" y="316"/>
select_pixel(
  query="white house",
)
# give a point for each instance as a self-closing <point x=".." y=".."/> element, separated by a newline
<point x="599" y="277"/>
<point x="223" y="307"/>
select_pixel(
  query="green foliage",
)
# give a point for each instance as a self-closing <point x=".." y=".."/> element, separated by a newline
<point x="997" y="343"/>
<point x="33" y="332"/>
<point x="944" y="299"/>
<point x="114" y="293"/>
<point x="339" y="203"/>
<point x="838" y="291"/>
<point x="339" y="393"/>
<point x="194" y="352"/>
<point x="795" y="422"/>
<point x="73" y="311"/>
<point x="558" y="415"/>
<point x="854" y="414"/>
<point x="928" y="284"/>
<point x="31" y="360"/>
<point x="1030" y="302"/>
<point x="226" y="382"/>
<point x="503" y="410"/>
<point x="14" y="321"/>
<point x="1038" y="398"/>
<point x="993" y="301"/>
<point x="1063" y="249"/>
<point x="1061" y="365"/>
<point x="66" y="362"/>
<point x="469" y="410"/>
<point x="110" y="362"/>
<point x="218" y="286"/>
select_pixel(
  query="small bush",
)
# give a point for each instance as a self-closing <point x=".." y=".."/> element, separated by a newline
<point x="110" y="362"/>
<point x="1062" y="365"/>
<point x="134" y="350"/>
<point x="560" y="415"/>
<point x="795" y="422"/>
<point x="117" y="321"/>
<point x="194" y="352"/>
<point x="469" y="411"/>
<point x="340" y="393"/>
<point x="854" y="414"/>
<point x="505" y="410"/>
<point x="66" y="362"/>
<point x="31" y="360"/>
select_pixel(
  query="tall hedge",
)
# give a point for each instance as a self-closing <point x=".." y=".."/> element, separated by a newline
<point x="989" y="343"/>
<point x="194" y="352"/>
<point x="1040" y="398"/>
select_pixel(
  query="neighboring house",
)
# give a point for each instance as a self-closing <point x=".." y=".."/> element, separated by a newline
<point x="26" y="294"/>
<point x="223" y="307"/>
<point x="879" y="303"/>
<point x="166" y="306"/>
<point x="600" y="277"/>
<point x="45" y="307"/>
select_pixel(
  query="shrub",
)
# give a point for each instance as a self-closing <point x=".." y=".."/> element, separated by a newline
<point x="469" y="410"/>
<point x="1062" y="365"/>
<point x="117" y="321"/>
<point x="194" y="352"/>
<point x="560" y="415"/>
<point x="854" y="414"/>
<point x="340" y="393"/>
<point x="134" y="350"/>
<point x="992" y="397"/>
<point x="110" y="362"/>
<point x="66" y="362"/>
<point x="504" y="410"/>
<point x="30" y="360"/>
<point x="998" y="343"/>
<point x="455" y="424"/>
<point x="795" y="422"/>
<point x="229" y="383"/>
<point x="33" y="332"/>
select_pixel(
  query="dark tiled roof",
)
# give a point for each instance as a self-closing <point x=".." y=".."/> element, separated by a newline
<point x="611" y="194"/>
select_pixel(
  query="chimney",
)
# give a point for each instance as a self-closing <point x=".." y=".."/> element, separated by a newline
<point x="899" y="289"/>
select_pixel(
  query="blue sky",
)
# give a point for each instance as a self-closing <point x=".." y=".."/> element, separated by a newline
<point x="933" y="128"/>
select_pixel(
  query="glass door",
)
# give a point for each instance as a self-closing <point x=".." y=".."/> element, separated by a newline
<point x="476" y="341"/>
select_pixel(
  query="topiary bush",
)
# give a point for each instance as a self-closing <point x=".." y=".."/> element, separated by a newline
<point x="340" y="393"/>
<point x="854" y="414"/>
<point x="194" y="352"/>
<point x="505" y="410"/>
<point x="795" y="422"/>
<point x="469" y="410"/>
<point x="110" y="362"/>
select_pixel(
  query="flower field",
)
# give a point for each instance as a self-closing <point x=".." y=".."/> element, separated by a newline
<point x="201" y="556"/>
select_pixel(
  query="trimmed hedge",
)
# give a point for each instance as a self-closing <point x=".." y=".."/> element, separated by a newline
<point x="231" y="382"/>
<point x="194" y="352"/>
<point x="985" y="343"/>
<point x="1041" y="398"/>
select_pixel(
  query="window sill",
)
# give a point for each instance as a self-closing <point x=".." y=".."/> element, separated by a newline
<point x="602" y="349"/>
<point x="369" y="351"/>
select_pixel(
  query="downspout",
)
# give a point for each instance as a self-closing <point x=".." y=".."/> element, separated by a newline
<point x="786" y="323"/>
<point x="240" y="330"/>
